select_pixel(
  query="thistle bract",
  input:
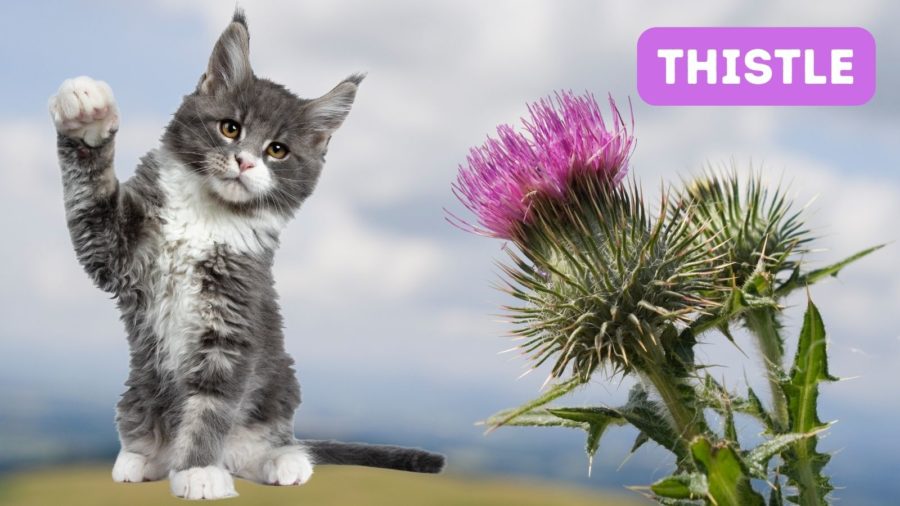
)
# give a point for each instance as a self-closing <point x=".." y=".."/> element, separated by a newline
<point x="603" y="283"/>
<point x="563" y="138"/>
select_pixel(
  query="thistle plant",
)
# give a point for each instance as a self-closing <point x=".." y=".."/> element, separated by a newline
<point x="763" y="241"/>
<point x="604" y="283"/>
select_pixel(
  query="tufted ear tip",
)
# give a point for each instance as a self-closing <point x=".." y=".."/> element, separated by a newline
<point x="355" y="78"/>
<point x="229" y="63"/>
<point x="239" y="16"/>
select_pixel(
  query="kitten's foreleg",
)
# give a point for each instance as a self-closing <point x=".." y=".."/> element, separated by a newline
<point x="215" y="380"/>
<point x="143" y="454"/>
<point x="103" y="219"/>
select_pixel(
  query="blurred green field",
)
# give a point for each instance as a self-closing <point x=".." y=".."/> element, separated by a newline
<point x="329" y="486"/>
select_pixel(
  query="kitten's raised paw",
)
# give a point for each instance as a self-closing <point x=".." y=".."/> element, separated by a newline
<point x="85" y="109"/>
<point x="208" y="482"/>
<point x="291" y="468"/>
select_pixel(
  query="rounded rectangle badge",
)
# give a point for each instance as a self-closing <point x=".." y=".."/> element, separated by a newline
<point x="756" y="66"/>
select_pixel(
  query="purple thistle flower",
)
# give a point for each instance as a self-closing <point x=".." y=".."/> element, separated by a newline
<point x="566" y="138"/>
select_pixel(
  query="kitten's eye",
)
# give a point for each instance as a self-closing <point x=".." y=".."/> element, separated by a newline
<point x="277" y="150"/>
<point x="230" y="128"/>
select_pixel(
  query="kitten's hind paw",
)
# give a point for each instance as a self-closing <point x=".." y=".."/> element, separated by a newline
<point x="85" y="109"/>
<point x="290" y="468"/>
<point x="208" y="482"/>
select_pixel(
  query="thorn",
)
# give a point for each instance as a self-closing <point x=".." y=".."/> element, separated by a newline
<point x="546" y="382"/>
<point x="526" y="373"/>
<point x="624" y="461"/>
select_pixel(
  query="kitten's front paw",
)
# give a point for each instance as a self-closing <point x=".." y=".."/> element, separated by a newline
<point x="129" y="467"/>
<point x="85" y="109"/>
<point x="292" y="468"/>
<point x="133" y="467"/>
<point x="208" y="482"/>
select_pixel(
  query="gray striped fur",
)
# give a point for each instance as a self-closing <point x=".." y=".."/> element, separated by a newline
<point x="211" y="387"/>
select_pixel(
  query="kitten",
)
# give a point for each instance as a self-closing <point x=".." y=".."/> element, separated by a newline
<point x="186" y="248"/>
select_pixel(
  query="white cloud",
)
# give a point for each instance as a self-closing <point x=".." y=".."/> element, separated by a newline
<point x="29" y="149"/>
<point x="332" y="257"/>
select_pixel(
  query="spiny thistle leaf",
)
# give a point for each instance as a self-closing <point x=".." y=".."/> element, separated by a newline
<point x="682" y="486"/>
<point x="729" y="483"/>
<point x="800" y="280"/>
<point x="648" y="417"/>
<point x="759" y="412"/>
<point x="714" y="396"/>
<point x="758" y="458"/>
<point x="639" y="441"/>
<point x="555" y="392"/>
<point x="539" y="417"/>
<point x="594" y="421"/>
<point x="602" y="284"/>
<point x="729" y="429"/>
<point x="802" y="463"/>
<point x="810" y="367"/>
<point x="665" y="501"/>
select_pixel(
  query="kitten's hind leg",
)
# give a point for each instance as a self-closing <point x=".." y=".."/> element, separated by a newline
<point x="288" y="465"/>
<point x="267" y="456"/>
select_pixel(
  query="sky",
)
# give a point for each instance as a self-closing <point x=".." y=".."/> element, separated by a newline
<point x="389" y="310"/>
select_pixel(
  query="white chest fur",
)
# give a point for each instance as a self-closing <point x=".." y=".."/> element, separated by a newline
<point x="193" y="227"/>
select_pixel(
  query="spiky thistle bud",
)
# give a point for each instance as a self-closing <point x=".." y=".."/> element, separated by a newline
<point x="753" y="226"/>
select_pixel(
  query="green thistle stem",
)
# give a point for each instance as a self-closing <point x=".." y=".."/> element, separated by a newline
<point x="763" y="325"/>
<point x="810" y="491"/>
<point x="688" y="420"/>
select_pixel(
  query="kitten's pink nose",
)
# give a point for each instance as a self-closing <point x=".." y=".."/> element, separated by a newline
<point x="244" y="162"/>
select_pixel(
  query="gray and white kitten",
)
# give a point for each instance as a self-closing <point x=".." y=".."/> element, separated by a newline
<point x="186" y="248"/>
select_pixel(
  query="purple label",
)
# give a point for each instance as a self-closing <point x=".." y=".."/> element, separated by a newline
<point x="756" y="66"/>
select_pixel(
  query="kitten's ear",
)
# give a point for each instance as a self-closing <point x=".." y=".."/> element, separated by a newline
<point x="229" y="65"/>
<point x="325" y="114"/>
